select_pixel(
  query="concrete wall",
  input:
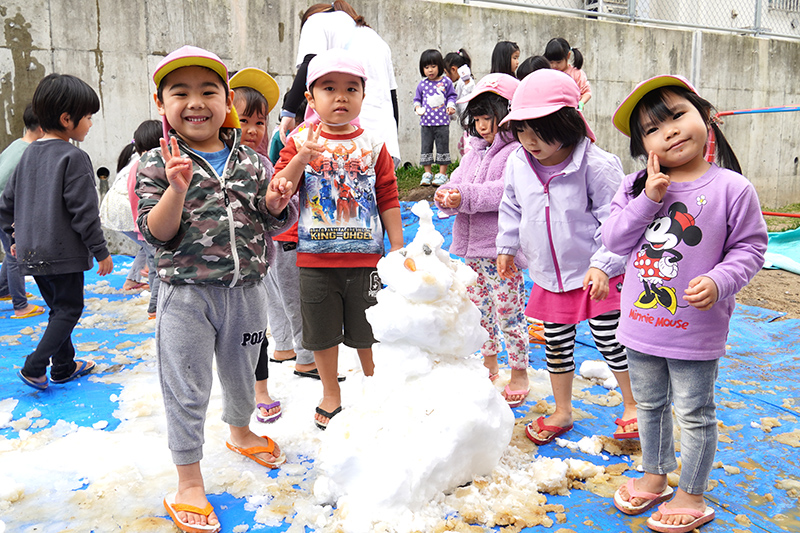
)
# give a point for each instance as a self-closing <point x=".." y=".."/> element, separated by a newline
<point x="115" y="46"/>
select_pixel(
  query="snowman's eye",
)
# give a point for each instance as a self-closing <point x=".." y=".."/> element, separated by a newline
<point x="403" y="252"/>
<point x="427" y="249"/>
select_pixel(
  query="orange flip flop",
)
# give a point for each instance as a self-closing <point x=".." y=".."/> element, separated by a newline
<point x="173" y="509"/>
<point x="250" y="453"/>
<point x="536" y="333"/>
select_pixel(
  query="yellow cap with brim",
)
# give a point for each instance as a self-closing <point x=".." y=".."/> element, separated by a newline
<point x="622" y="116"/>
<point x="192" y="56"/>
<point x="260" y="81"/>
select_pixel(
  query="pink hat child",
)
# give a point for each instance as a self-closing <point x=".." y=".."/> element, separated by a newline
<point x="333" y="60"/>
<point x="542" y="93"/>
<point x="192" y="56"/>
<point x="498" y="83"/>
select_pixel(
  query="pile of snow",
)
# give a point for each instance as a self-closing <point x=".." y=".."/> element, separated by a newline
<point x="430" y="419"/>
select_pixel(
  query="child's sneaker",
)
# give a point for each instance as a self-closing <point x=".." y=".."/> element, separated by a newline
<point x="440" y="179"/>
<point x="426" y="179"/>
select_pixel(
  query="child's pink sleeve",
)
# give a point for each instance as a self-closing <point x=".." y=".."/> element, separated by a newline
<point x="132" y="198"/>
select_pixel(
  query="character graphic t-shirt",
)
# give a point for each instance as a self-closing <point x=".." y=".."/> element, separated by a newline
<point x="340" y="202"/>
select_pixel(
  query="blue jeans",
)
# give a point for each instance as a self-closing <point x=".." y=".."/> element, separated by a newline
<point x="11" y="279"/>
<point x="657" y="383"/>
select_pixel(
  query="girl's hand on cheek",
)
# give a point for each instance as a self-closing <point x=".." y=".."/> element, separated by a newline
<point x="702" y="293"/>
<point x="657" y="182"/>
<point x="597" y="282"/>
<point x="178" y="168"/>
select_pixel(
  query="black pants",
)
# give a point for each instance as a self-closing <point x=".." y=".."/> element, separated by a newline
<point x="63" y="294"/>
<point x="262" y="370"/>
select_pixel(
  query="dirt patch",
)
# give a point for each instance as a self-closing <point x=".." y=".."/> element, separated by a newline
<point x="778" y="290"/>
<point x="419" y="193"/>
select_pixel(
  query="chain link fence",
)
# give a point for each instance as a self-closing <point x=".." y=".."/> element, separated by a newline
<point x="779" y="18"/>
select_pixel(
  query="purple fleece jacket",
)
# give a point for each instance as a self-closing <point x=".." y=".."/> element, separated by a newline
<point x="479" y="179"/>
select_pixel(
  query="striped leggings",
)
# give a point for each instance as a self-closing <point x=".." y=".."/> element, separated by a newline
<point x="560" y="344"/>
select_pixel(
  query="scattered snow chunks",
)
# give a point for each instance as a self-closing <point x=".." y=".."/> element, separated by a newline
<point x="429" y="420"/>
<point x="6" y="411"/>
<point x="590" y="445"/>
<point x="599" y="370"/>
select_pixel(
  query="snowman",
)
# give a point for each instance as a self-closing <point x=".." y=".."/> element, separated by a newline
<point x="429" y="420"/>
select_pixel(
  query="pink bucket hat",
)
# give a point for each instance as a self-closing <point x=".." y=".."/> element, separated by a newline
<point x="334" y="60"/>
<point x="192" y="56"/>
<point x="500" y="84"/>
<point x="542" y="93"/>
<point x="622" y="116"/>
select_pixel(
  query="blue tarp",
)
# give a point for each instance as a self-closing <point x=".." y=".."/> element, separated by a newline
<point x="758" y="379"/>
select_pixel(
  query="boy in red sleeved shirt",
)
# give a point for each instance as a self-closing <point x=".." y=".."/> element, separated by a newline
<point x="340" y="237"/>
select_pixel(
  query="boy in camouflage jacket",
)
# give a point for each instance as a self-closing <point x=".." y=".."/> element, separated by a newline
<point x="206" y="204"/>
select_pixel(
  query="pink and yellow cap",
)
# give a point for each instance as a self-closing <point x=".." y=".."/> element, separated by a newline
<point x="259" y="80"/>
<point x="192" y="56"/>
<point x="542" y="93"/>
<point x="335" y="60"/>
<point x="622" y="116"/>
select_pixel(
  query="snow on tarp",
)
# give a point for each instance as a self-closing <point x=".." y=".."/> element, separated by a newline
<point x="92" y="455"/>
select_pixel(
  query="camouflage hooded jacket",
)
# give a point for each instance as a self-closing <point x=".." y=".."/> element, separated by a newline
<point x="221" y="239"/>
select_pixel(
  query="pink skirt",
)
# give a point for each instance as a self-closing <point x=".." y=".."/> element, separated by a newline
<point x="573" y="306"/>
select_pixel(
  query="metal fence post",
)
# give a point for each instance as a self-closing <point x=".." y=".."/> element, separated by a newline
<point x="757" y="18"/>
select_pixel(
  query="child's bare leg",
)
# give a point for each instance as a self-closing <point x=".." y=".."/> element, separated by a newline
<point x="328" y="366"/>
<point x="192" y="491"/>
<point x="428" y="168"/>
<point x="283" y="355"/>
<point x="490" y="362"/>
<point x="629" y="404"/>
<point x="262" y="396"/>
<point x="519" y="381"/>
<point x="654" y="483"/>
<point x="681" y="500"/>
<point x="367" y="364"/>
<point x="244" y="438"/>
<point x="562" y="392"/>
<point x="443" y="169"/>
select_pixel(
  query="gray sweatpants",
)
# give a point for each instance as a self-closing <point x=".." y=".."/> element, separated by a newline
<point x="194" y="324"/>
<point x="283" y="288"/>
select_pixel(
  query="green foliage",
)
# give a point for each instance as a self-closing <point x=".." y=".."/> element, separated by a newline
<point x="408" y="176"/>
<point x="779" y="224"/>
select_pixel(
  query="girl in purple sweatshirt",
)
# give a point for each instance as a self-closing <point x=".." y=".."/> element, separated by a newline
<point x="473" y="194"/>
<point x="695" y="236"/>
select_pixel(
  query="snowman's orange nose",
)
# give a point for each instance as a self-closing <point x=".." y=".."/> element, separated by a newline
<point x="410" y="265"/>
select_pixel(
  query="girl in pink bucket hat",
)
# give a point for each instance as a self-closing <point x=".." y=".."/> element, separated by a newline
<point x="473" y="194"/>
<point x="558" y="191"/>
<point x="695" y="236"/>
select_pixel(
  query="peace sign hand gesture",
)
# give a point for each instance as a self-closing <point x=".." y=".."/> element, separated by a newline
<point x="177" y="167"/>
<point x="311" y="148"/>
<point x="657" y="182"/>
